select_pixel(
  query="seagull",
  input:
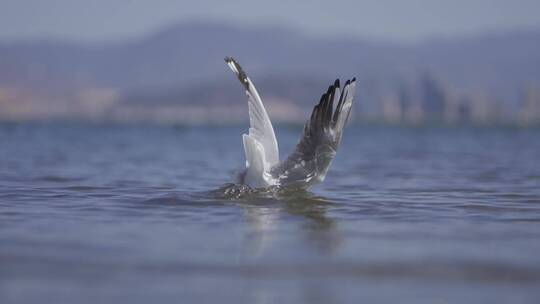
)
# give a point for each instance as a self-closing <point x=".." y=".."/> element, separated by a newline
<point x="309" y="162"/>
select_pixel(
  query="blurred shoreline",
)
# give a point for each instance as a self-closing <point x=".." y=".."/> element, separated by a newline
<point x="484" y="79"/>
<point x="298" y="125"/>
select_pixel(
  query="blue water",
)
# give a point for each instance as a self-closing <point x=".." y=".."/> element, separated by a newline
<point x="138" y="214"/>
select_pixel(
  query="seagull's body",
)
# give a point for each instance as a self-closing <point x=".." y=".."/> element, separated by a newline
<point x="314" y="152"/>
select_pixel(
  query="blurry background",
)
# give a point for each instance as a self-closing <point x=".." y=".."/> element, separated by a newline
<point x="474" y="61"/>
<point x="109" y="194"/>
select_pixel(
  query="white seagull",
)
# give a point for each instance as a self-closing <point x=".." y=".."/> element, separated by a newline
<point x="314" y="152"/>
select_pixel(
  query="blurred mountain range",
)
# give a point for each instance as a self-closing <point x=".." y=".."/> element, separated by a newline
<point x="178" y="75"/>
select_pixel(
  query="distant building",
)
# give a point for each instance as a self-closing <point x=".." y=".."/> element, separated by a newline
<point x="391" y="108"/>
<point x="530" y="112"/>
<point x="432" y="98"/>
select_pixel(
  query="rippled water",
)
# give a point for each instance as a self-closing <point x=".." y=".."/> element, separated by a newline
<point x="133" y="214"/>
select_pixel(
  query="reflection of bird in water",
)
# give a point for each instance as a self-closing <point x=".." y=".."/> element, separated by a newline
<point x="264" y="210"/>
<point x="262" y="222"/>
<point x="314" y="152"/>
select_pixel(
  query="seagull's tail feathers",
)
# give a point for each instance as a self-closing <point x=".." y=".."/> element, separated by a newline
<point x="255" y="163"/>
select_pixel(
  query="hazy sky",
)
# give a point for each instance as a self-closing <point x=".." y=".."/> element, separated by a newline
<point x="90" y="20"/>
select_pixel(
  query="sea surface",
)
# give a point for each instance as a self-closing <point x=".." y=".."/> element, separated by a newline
<point x="139" y="214"/>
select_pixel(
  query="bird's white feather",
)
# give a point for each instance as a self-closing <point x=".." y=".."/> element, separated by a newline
<point x="261" y="139"/>
<point x="256" y="166"/>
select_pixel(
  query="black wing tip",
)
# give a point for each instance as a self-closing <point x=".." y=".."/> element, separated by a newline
<point x="230" y="59"/>
<point x="338" y="85"/>
<point x="330" y="89"/>
<point x="349" y="81"/>
<point x="242" y="76"/>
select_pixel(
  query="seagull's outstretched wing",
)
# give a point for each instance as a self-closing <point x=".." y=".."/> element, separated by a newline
<point x="260" y="144"/>
<point x="317" y="147"/>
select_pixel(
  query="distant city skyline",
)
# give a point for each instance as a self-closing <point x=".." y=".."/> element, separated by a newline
<point x="405" y="21"/>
